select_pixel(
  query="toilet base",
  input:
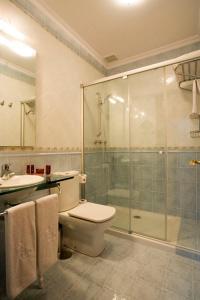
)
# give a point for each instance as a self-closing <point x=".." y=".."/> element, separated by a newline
<point x="83" y="236"/>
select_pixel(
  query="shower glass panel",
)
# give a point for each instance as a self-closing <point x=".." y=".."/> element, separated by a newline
<point x="106" y="147"/>
<point x="138" y="148"/>
<point x="148" y="152"/>
<point x="183" y="177"/>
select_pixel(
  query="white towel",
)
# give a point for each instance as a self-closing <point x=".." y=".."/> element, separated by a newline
<point x="47" y="232"/>
<point x="194" y="113"/>
<point x="20" y="236"/>
<point x="198" y="84"/>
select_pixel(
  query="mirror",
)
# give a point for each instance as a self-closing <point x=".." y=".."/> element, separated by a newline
<point x="17" y="94"/>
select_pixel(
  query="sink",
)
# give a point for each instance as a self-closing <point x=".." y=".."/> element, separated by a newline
<point x="20" y="187"/>
<point x="18" y="181"/>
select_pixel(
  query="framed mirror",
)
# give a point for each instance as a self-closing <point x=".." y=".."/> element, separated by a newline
<point x="17" y="94"/>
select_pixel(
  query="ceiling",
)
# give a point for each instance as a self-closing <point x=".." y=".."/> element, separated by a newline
<point x="129" y="31"/>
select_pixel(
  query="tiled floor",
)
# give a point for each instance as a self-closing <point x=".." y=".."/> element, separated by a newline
<point x="125" y="270"/>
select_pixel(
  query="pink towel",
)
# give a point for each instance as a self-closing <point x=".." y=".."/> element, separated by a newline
<point x="20" y="238"/>
<point x="47" y="232"/>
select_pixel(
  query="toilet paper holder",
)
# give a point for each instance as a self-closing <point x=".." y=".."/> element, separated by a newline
<point x="82" y="178"/>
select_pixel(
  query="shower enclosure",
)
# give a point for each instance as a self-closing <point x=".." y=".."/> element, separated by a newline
<point x="138" y="148"/>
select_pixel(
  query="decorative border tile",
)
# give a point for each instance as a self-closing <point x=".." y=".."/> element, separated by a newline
<point x="143" y="149"/>
<point x="154" y="59"/>
<point x="39" y="150"/>
<point x="56" y="150"/>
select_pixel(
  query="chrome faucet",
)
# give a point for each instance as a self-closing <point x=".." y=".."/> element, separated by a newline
<point x="6" y="173"/>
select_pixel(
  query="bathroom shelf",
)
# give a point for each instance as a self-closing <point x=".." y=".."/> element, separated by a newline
<point x="186" y="72"/>
<point x="195" y="134"/>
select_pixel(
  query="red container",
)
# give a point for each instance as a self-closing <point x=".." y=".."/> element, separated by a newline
<point x="28" y="169"/>
<point x="32" y="169"/>
<point x="40" y="171"/>
<point x="48" y="169"/>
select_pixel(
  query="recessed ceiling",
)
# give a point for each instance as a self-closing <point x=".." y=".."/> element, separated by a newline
<point x="130" y="30"/>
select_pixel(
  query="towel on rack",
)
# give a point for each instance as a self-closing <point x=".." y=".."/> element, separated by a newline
<point x="198" y="84"/>
<point x="47" y="232"/>
<point x="20" y="240"/>
<point x="194" y="114"/>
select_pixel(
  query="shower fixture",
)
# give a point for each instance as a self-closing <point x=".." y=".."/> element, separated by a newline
<point x="113" y="99"/>
<point x="99" y="103"/>
<point x="194" y="162"/>
<point x="10" y="104"/>
<point x="99" y="136"/>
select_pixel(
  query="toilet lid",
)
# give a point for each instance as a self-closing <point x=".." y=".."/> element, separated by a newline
<point x="92" y="212"/>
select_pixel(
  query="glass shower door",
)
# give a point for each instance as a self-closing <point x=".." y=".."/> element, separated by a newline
<point x="95" y="139"/>
<point x="148" y="153"/>
<point x="138" y="147"/>
<point x="106" y="147"/>
<point x="183" y="177"/>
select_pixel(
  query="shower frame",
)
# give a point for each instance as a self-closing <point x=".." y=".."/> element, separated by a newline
<point x="124" y="75"/>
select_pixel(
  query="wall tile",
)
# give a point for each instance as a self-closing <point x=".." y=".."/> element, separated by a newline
<point x="173" y="160"/>
<point x="187" y="175"/>
<point x="185" y="158"/>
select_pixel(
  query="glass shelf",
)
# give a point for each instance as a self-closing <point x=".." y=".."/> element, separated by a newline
<point x="49" y="182"/>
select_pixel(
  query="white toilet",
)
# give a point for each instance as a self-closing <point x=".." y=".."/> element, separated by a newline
<point x="83" y="223"/>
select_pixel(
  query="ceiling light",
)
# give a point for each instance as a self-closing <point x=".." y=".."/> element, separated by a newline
<point x="10" y="30"/>
<point x="118" y="98"/>
<point x="18" y="47"/>
<point x="112" y="100"/>
<point x="129" y="2"/>
<point x="23" y="49"/>
<point x="170" y="79"/>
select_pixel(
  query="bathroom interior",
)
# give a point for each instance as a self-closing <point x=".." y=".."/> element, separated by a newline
<point x="100" y="143"/>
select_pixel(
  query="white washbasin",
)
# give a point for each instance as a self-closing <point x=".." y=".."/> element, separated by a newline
<point x="18" y="181"/>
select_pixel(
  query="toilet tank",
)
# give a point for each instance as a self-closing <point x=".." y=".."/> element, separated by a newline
<point x="70" y="192"/>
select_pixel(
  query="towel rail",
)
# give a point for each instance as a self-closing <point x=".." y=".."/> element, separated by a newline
<point x="2" y="214"/>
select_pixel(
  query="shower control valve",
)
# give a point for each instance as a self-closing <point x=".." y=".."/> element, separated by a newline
<point x="194" y="162"/>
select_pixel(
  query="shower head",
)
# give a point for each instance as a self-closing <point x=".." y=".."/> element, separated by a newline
<point x="99" y="98"/>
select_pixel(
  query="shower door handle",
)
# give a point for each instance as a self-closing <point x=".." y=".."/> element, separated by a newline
<point x="194" y="162"/>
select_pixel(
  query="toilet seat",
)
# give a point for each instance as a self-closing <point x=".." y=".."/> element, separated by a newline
<point x="91" y="212"/>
